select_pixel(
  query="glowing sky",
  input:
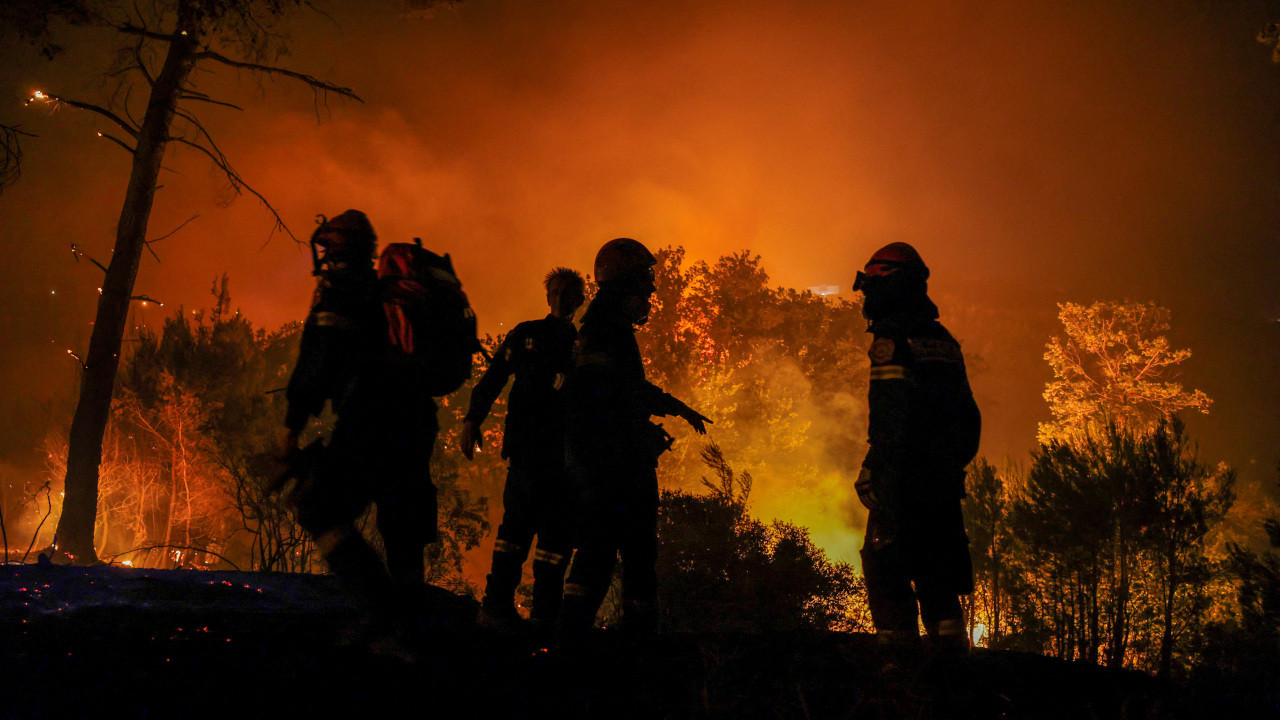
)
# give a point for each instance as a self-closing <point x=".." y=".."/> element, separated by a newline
<point x="1033" y="152"/>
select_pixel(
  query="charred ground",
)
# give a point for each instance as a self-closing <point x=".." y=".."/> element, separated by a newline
<point x="112" y="641"/>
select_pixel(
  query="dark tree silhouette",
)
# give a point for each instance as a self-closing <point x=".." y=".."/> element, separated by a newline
<point x="163" y="44"/>
<point x="11" y="154"/>
<point x="724" y="571"/>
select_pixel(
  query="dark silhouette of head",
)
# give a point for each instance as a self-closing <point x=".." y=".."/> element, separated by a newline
<point x="566" y="291"/>
<point x="624" y="270"/>
<point x="345" y="241"/>
<point x="894" y="282"/>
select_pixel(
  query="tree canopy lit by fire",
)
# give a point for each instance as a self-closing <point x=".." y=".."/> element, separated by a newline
<point x="1080" y="164"/>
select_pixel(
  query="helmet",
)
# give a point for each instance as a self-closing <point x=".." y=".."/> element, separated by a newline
<point x="343" y="238"/>
<point x="624" y="261"/>
<point x="349" y="231"/>
<point x="890" y="259"/>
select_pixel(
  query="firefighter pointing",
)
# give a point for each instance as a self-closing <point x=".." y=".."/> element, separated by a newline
<point x="612" y="446"/>
<point x="923" y="430"/>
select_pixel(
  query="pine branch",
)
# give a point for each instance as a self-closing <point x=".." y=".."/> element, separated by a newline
<point x="314" y="82"/>
<point x="11" y="154"/>
<point x="133" y="132"/>
<point x="77" y="254"/>
<point x="141" y="65"/>
<point x="238" y="182"/>
<point x="175" y="230"/>
<point x="131" y="29"/>
<point x="201" y="97"/>
<point x="117" y="141"/>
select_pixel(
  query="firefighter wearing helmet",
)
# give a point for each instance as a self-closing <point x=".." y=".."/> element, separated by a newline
<point x="923" y="430"/>
<point x="380" y="448"/>
<point x="613" y="447"/>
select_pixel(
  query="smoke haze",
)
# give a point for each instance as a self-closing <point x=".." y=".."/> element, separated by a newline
<point x="1033" y="152"/>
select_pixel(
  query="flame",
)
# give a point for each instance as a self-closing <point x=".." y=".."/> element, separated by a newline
<point x="979" y="636"/>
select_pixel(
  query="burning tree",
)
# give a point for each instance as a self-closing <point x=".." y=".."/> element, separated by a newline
<point x="164" y="42"/>
<point x="723" y="570"/>
<point x="1114" y="365"/>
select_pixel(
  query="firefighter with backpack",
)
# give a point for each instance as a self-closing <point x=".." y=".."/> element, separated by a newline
<point x="539" y="353"/>
<point x="371" y="348"/>
<point x="613" y="447"/>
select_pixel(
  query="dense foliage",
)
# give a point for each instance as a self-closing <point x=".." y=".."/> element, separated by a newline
<point x="1108" y="546"/>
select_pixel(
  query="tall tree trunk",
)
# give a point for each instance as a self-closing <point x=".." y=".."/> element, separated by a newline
<point x="1120" y="625"/>
<point x="997" y="556"/>
<point x="75" y="526"/>
<point x="1166" y="638"/>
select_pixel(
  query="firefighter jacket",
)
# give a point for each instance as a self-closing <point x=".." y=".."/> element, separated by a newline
<point x="540" y="354"/>
<point x="924" y="424"/>
<point x="610" y="401"/>
<point x="343" y="358"/>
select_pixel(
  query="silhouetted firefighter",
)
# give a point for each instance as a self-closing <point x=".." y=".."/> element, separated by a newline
<point x="613" y="448"/>
<point x="535" y="502"/>
<point x="924" y="429"/>
<point x="371" y="347"/>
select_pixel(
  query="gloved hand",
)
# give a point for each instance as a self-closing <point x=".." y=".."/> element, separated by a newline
<point x="696" y="419"/>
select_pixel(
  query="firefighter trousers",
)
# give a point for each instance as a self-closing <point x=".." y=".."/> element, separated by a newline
<point x="618" y="518"/>
<point x="534" y="503"/>
<point x="385" y="463"/>
<point x="924" y="561"/>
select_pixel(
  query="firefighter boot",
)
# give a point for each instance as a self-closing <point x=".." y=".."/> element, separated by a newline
<point x="949" y="639"/>
<point x="577" y="615"/>
<point x="498" y="610"/>
<point x="639" y="617"/>
<point x="548" y="588"/>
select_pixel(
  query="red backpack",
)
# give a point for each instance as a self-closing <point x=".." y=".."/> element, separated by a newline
<point x="430" y="323"/>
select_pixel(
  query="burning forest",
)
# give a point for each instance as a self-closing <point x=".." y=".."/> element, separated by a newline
<point x="939" y="378"/>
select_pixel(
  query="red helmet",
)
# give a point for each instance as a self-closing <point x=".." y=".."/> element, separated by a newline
<point x="890" y="259"/>
<point x="624" y="261"/>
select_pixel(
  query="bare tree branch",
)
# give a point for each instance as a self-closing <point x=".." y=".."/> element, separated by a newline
<point x="146" y="299"/>
<point x="117" y="141"/>
<point x="201" y="97"/>
<point x="314" y="82"/>
<point x="149" y="548"/>
<point x="131" y="29"/>
<point x="77" y="254"/>
<point x="133" y="131"/>
<point x="11" y="154"/>
<point x="175" y="230"/>
<point x="238" y="182"/>
<point x="128" y="113"/>
<point x="142" y="64"/>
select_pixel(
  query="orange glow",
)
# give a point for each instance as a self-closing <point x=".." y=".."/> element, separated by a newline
<point x="1033" y="152"/>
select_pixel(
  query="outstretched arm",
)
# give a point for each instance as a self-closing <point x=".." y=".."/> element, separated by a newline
<point x="664" y="403"/>
<point x="483" y="396"/>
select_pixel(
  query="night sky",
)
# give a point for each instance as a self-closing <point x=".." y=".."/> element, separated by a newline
<point x="1033" y="152"/>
